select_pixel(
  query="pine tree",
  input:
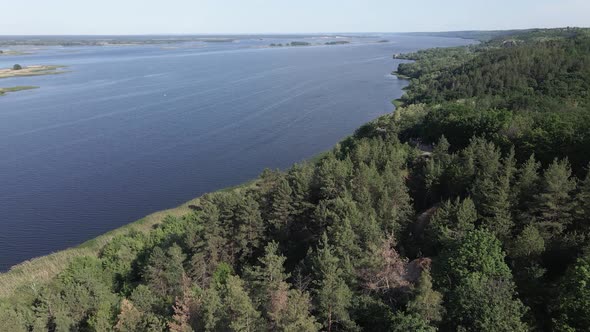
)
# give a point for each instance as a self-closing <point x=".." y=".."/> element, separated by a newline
<point x="427" y="303"/>
<point x="451" y="221"/>
<point x="248" y="230"/>
<point x="164" y="273"/>
<point x="280" y="206"/>
<point x="268" y="278"/>
<point x="491" y="189"/>
<point x="296" y="315"/>
<point x="478" y="284"/>
<point x="395" y="208"/>
<point x="332" y="295"/>
<point x="525" y="189"/>
<point x="286" y="309"/>
<point x="332" y="176"/>
<point x="554" y="202"/>
<point x="207" y="245"/>
<point x="499" y="209"/>
<point x="239" y="312"/>
<point x="529" y="244"/>
<point x="300" y="178"/>
<point x="435" y="167"/>
<point x="211" y="309"/>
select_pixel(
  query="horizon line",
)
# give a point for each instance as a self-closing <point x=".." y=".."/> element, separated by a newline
<point x="287" y="33"/>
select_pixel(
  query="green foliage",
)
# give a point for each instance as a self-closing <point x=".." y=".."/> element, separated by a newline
<point x="477" y="252"/>
<point x="529" y="243"/>
<point x="483" y="303"/>
<point x="346" y="242"/>
<point x="554" y="202"/>
<point x="573" y="306"/>
<point x="164" y="272"/>
<point x="238" y="312"/>
<point x="478" y="284"/>
<point x="80" y="298"/>
<point x="332" y="293"/>
<point x="427" y="303"/>
<point x="403" y="322"/>
<point x="452" y="221"/>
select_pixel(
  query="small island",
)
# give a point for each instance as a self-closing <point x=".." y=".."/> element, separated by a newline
<point x="4" y="91"/>
<point x="338" y="42"/>
<point x="12" y="53"/>
<point x="294" y="43"/>
<point x="37" y="70"/>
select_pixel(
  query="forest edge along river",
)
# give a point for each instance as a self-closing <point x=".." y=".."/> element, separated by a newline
<point x="136" y="128"/>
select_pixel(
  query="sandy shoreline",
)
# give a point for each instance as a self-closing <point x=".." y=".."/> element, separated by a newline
<point x="30" y="71"/>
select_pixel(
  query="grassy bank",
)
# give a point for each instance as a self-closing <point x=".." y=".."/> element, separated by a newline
<point x="40" y="270"/>
<point x="4" y="91"/>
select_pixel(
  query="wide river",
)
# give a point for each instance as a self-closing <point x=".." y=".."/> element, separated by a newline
<point x="130" y="130"/>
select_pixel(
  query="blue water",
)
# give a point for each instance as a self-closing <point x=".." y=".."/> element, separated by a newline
<point x="130" y="130"/>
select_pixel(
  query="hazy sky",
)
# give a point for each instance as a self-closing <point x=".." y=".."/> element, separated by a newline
<point x="283" y="16"/>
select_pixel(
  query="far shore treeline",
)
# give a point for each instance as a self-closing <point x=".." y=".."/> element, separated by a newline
<point x="466" y="209"/>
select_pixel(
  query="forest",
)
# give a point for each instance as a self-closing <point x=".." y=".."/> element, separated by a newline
<point x="466" y="209"/>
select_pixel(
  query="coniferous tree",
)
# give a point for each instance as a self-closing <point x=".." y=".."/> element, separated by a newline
<point x="164" y="273"/>
<point x="478" y="285"/>
<point x="207" y="245"/>
<point x="238" y="313"/>
<point x="268" y="279"/>
<point x="451" y="221"/>
<point x="435" y="168"/>
<point x="295" y="316"/>
<point x="525" y="189"/>
<point x="280" y="207"/>
<point x="248" y="230"/>
<point x="286" y="309"/>
<point x="554" y="202"/>
<point x="427" y="303"/>
<point x="332" y="295"/>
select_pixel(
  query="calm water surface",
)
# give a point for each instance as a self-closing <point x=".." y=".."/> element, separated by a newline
<point x="130" y="130"/>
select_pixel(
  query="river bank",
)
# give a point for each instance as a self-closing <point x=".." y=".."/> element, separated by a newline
<point x="4" y="91"/>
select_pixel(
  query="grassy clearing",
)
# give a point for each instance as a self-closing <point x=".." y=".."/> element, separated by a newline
<point x="30" y="71"/>
<point x="4" y="91"/>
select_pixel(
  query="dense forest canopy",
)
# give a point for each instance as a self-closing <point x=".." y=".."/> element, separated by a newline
<point x="467" y="209"/>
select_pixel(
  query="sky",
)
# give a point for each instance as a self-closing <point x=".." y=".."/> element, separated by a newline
<point x="73" y="17"/>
